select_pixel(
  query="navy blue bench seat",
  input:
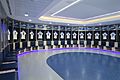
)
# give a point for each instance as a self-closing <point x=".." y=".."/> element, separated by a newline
<point x="8" y="62"/>
<point x="12" y="58"/>
<point x="9" y="75"/>
<point x="11" y="54"/>
<point x="8" y="65"/>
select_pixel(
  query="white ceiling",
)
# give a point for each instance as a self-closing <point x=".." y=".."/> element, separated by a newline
<point x="83" y="10"/>
<point x="33" y="7"/>
<point x="91" y="8"/>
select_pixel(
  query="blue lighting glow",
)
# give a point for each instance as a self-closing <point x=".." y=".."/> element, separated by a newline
<point x="49" y="50"/>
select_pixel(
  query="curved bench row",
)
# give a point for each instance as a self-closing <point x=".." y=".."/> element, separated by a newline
<point x="8" y="64"/>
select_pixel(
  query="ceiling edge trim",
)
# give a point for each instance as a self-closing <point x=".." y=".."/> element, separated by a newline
<point x="77" y="21"/>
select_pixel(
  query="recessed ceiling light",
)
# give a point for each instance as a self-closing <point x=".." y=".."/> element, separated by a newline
<point x="26" y="14"/>
<point x="50" y="22"/>
<point x="30" y="20"/>
<point x="68" y="24"/>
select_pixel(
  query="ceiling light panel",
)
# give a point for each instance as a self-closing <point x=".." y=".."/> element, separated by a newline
<point x="66" y="7"/>
<point x="30" y="20"/>
<point x="26" y="14"/>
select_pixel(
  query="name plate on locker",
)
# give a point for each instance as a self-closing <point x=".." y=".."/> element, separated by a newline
<point x="44" y="43"/>
<point x="14" y="46"/>
<point x="92" y="42"/>
<point x="85" y="42"/>
<point x="71" y="41"/>
<point x="65" y="42"/>
<point x="36" y="43"/>
<point x="20" y="44"/>
<point x="107" y="43"/>
<point x="28" y="44"/>
<point x="99" y="42"/>
<point x="116" y="44"/>
<point x="52" y="42"/>
<point x="78" y="42"/>
<point x="59" y="42"/>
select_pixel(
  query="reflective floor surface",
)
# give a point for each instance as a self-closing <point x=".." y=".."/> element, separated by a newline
<point x="69" y="64"/>
<point x="85" y="66"/>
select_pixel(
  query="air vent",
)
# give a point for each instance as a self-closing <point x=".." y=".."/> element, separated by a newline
<point x="7" y="1"/>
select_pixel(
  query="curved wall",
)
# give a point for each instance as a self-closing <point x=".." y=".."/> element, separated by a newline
<point x="23" y="35"/>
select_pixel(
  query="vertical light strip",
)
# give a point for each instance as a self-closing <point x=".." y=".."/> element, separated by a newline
<point x="65" y="7"/>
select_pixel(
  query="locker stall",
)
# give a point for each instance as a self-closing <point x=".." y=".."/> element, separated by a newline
<point x="82" y="36"/>
<point x="75" y="36"/>
<point x="48" y="36"/>
<point x="68" y="36"/>
<point x="89" y="36"/>
<point x="40" y="36"/>
<point x="24" y="35"/>
<point x="112" y="36"/>
<point x="117" y="45"/>
<point x="62" y="36"/>
<point x="104" y="36"/>
<point x="97" y="36"/>
<point x="56" y="36"/>
<point x="10" y="30"/>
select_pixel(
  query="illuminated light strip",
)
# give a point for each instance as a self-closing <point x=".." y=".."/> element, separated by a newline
<point x="103" y="19"/>
<point x="100" y="16"/>
<point x="7" y="71"/>
<point x="108" y="14"/>
<point x="82" y="48"/>
<point x="67" y="18"/>
<point x="76" y="21"/>
<point x="65" y="7"/>
<point x="55" y="19"/>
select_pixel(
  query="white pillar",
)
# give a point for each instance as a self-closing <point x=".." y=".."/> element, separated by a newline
<point x="36" y="43"/>
<point x="13" y="46"/>
<point x="21" y="45"/>
<point x="28" y="44"/>
<point x="59" y="42"/>
<point x="92" y="43"/>
<point x="107" y="43"/>
<point x="85" y="42"/>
